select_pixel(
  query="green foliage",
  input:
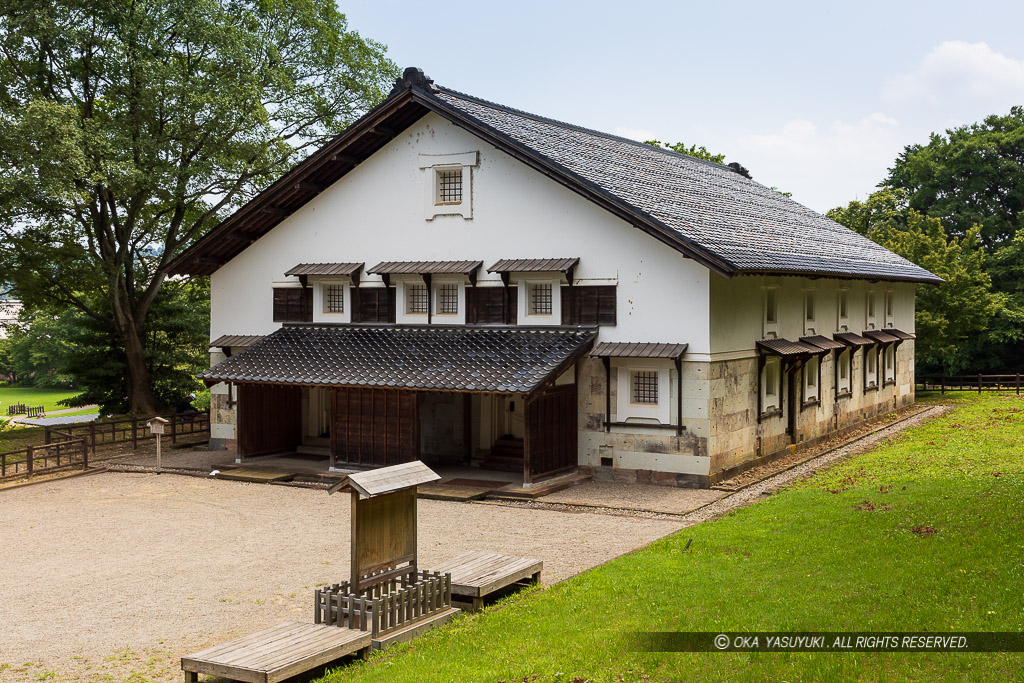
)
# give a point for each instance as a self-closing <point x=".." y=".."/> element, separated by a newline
<point x="949" y="317"/>
<point x="131" y="128"/>
<point x="971" y="176"/>
<point x="54" y="349"/>
<point x="698" y="152"/>
<point x="944" y="504"/>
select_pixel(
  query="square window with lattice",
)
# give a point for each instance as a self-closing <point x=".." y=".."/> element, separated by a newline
<point x="449" y="186"/>
<point x="645" y="387"/>
<point x="416" y="298"/>
<point x="540" y="298"/>
<point x="334" y="299"/>
<point x="448" y="298"/>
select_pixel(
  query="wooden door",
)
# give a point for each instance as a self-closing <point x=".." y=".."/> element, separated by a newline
<point x="550" y="440"/>
<point x="375" y="427"/>
<point x="269" y="419"/>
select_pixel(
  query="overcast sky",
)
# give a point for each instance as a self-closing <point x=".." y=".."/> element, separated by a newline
<point x="812" y="97"/>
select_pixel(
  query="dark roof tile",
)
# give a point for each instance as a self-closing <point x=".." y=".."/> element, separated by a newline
<point x="505" y="360"/>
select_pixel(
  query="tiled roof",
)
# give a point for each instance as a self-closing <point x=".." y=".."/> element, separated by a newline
<point x="749" y="226"/>
<point x="425" y="267"/>
<point x="851" y="339"/>
<point x="534" y="265"/>
<point x="236" y="340"/>
<point x="880" y="336"/>
<point x="324" y="269"/>
<point x="638" y="350"/>
<point x="784" y="347"/>
<point x="505" y="360"/>
<point x="823" y="342"/>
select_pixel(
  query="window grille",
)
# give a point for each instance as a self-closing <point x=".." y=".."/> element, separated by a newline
<point x="416" y="299"/>
<point x="769" y="306"/>
<point x="645" y="387"/>
<point x="334" y="298"/>
<point x="844" y="364"/>
<point x="540" y="299"/>
<point x="448" y="298"/>
<point x="449" y="186"/>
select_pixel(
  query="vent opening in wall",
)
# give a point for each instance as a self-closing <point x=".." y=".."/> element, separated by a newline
<point x="607" y="462"/>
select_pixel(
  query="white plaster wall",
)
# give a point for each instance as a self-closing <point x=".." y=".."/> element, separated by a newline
<point x="737" y="309"/>
<point x="375" y="213"/>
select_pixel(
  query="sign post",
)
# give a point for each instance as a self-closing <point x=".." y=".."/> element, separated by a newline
<point x="156" y="427"/>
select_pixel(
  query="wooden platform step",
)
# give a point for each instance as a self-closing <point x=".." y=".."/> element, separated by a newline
<point x="541" y="488"/>
<point x="477" y="574"/>
<point x="460" y="494"/>
<point x="255" y="475"/>
<point x="276" y="653"/>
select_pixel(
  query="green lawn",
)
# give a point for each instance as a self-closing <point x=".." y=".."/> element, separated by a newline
<point x="924" y="533"/>
<point x="33" y="397"/>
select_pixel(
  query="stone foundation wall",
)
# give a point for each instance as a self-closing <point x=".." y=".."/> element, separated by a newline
<point x="736" y="437"/>
<point x="222" y="420"/>
<point x="639" y="452"/>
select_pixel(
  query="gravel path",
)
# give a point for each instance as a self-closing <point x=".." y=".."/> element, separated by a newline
<point x="118" y="575"/>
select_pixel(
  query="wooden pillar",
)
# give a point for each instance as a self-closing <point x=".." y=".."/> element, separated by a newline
<point x="607" y="393"/>
<point x="467" y="428"/>
<point x="527" y="479"/>
<point x="679" y="395"/>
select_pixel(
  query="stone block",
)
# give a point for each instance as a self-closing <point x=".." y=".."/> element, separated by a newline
<point x="643" y="476"/>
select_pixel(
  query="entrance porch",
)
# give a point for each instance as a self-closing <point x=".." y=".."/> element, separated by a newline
<point x="498" y="399"/>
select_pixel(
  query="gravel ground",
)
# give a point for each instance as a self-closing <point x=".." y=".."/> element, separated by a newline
<point x="115" y="576"/>
<point x="664" y="499"/>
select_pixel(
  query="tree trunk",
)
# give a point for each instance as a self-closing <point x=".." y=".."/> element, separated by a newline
<point x="141" y="399"/>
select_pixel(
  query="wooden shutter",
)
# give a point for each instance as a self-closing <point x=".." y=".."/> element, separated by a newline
<point x="589" y="305"/>
<point x="492" y="305"/>
<point x="373" y="305"/>
<point x="293" y="305"/>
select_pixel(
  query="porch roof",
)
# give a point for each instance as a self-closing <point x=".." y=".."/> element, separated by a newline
<point x="489" y="360"/>
<point x="638" y="350"/>
<point x="346" y="269"/>
<point x="236" y="340"/>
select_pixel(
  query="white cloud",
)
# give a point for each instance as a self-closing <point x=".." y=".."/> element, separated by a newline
<point x="823" y="167"/>
<point x="955" y="71"/>
<point x="638" y="134"/>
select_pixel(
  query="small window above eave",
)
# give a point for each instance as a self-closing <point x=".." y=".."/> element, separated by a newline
<point x="449" y="184"/>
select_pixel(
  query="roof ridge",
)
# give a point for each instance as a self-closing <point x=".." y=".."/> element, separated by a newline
<point x="581" y="129"/>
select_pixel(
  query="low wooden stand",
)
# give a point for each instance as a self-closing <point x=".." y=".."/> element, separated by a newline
<point x="276" y="653"/>
<point x="476" y="574"/>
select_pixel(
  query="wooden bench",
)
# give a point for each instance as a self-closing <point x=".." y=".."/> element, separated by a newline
<point x="476" y="574"/>
<point x="276" y="653"/>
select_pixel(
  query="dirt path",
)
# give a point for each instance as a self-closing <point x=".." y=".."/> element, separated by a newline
<point x="116" y="576"/>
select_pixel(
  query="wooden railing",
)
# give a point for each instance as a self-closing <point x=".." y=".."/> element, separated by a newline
<point x="68" y="451"/>
<point x="978" y="383"/>
<point x="132" y="430"/>
<point x="22" y="409"/>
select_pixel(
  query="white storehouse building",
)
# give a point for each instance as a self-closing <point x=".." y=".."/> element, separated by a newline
<point x="457" y="281"/>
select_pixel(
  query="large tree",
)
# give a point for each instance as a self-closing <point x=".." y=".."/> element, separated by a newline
<point x="972" y="177"/>
<point x="130" y="127"/>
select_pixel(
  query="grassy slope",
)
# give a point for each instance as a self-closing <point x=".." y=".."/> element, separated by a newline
<point x="33" y="397"/>
<point x="807" y="559"/>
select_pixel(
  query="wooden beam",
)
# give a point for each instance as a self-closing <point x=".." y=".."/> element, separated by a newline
<point x="312" y="187"/>
<point x="385" y="130"/>
<point x="276" y="211"/>
<point x="527" y="477"/>
<point x="607" y="393"/>
<point x="679" y="395"/>
<point x="346" y="159"/>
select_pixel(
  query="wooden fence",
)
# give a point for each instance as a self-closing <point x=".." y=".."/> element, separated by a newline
<point x="978" y="383"/>
<point x="22" y="409"/>
<point x="66" y="452"/>
<point x="132" y="430"/>
<point x="385" y="607"/>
